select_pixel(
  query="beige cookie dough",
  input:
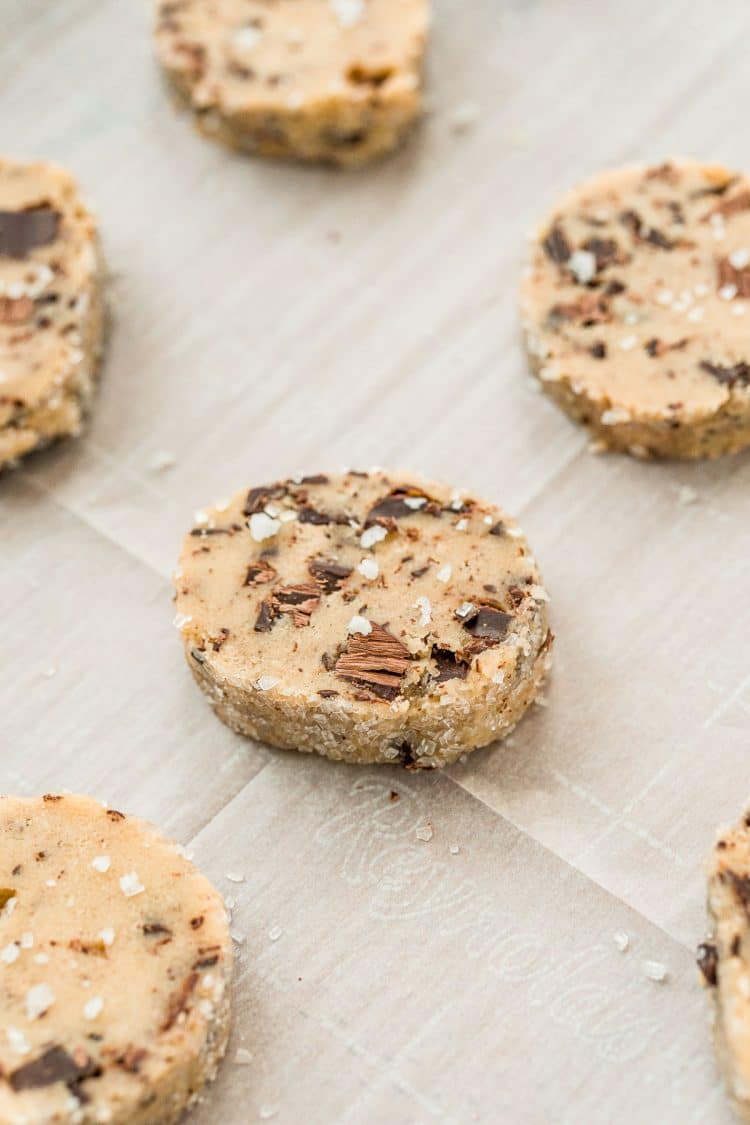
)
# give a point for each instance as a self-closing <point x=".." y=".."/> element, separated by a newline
<point x="636" y="309"/>
<point x="368" y="617"/>
<point x="51" y="310"/>
<point x="337" y="81"/>
<point x="115" y="961"/>
<point x="724" y="959"/>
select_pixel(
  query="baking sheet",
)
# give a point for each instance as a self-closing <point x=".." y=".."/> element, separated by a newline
<point x="271" y="318"/>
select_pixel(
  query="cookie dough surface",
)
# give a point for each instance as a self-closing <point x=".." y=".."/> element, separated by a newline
<point x="724" y="959"/>
<point x="369" y="617"/>
<point x="114" y="968"/>
<point x="324" y="80"/>
<point x="51" y="318"/>
<point x="636" y="309"/>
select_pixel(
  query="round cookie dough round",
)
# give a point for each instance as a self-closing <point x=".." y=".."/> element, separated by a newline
<point x="337" y="81"/>
<point x="368" y="617"/>
<point x="115" y="960"/>
<point x="636" y="309"/>
<point x="51" y="308"/>
<point x="724" y="959"/>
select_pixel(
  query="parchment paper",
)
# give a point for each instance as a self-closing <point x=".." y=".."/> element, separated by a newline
<point x="268" y="319"/>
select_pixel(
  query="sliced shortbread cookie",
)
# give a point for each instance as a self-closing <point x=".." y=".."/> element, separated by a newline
<point x="51" y="309"/>
<point x="369" y="617"/>
<point x="636" y="309"/>
<point x="115" y="960"/>
<point x="724" y="958"/>
<point x="325" y="80"/>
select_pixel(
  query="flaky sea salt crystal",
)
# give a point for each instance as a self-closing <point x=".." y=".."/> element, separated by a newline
<point x="39" y="999"/>
<point x="263" y="526"/>
<point x="369" y="569"/>
<point x="424" y="832"/>
<point x="621" y="940"/>
<point x="359" y="624"/>
<point x="101" y="863"/>
<point x="242" y="1056"/>
<point x="131" y="885"/>
<point x="372" y="535"/>
<point x="655" y="971"/>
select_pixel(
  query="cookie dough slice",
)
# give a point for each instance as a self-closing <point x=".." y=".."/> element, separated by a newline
<point x="115" y="960"/>
<point x="636" y="309"/>
<point x="724" y="958"/>
<point x="51" y="311"/>
<point x="368" y="617"/>
<point x="323" y="80"/>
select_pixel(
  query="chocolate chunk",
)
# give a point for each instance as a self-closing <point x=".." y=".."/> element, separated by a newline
<point x="21" y="231"/>
<point x="605" y="250"/>
<point x="449" y="665"/>
<point x="311" y="515"/>
<point x="257" y="498"/>
<point x="377" y="662"/>
<point x="556" y="245"/>
<point x="708" y="962"/>
<point x="55" y="1065"/>
<point x="728" y="376"/>
<point x="316" y="478"/>
<point x="260" y="573"/>
<point x="497" y="529"/>
<point x="727" y="274"/>
<point x="329" y="575"/>
<point x="265" y="618"/>
<point x="487" y="624"/>
<point x="642" y="232"/>
<point x="733" y="206"/>
<point x="5" y="894"/>
<point x="394" y="506"/>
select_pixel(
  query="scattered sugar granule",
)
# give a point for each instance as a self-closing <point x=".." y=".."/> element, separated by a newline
<point x="372" y="535"/>
<point x="265" y="683"/>
<point x="181" y="620"/>
<point x="101" y="863"/>
<point x="131" y="885"/>
<point x="369" y="569"/>
<point x="628" y="343"/>
<point x="463" y="116"/>
<point x="621" y="940"/>
<point x="263" y="526"/>
<point x="246" y="38"/>
<point x="234" y="877"/>
<point x="454" y="849"/>
<point x="275" y="933"/>
<point x="687" y="495"/>
<point x="425" y="610"/>
<point x="424" y="832"/>
<point x="93" y="1007"/>
<point x="161" y="461"/>
<point x="445" y="572"/>
<point x="39" y="999"/>
<point x="107" y="935"/>
<point x="10" y="954"/>
<point x="17" y="1041"/>
<point x="348" y="12"/>
<point x="582" y="263"/>
<point x="242" y="1056"/>
<point x="655" y="971"/>
<point x="27" y="940"/>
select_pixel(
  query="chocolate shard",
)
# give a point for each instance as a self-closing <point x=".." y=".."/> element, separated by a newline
<point x="259" y="573"/>
<point x="401" y="502"/>
<point x="487" y="625"/>
<point x="728" y="376"/>
<point x="299" y="601"/>
<point x="329" y="575"/>
<point x="21" y="231"/>
<point x="179" y="1001"/>
<point x="727" y="274"/>
<point x="265" y="618"/>
<point x="55" y="1065"/>
<point x="312" y="515"/>
<point x="556" y="245"/>
<point x="151" y="928"/>
<point x="450" y="666"/>
<point x="498" y="529"/>
<point x="732" y="206"/>
<point x="708" y="963"/>
<point x="5" y="894"/>
<point x="377" y="662"/>
<point x="316" y="478"/>
<point x="605" y="251"/>
<point x="642" y="232"/>
<point x="257" y="498"/>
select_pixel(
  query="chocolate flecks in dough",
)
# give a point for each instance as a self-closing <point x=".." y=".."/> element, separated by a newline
<point x="708" y="963"/>
<point x="605" y="250"/>
<point x="589" y="309"/>
<point x="736" y="946"/>
<point x="258" y="498"/>
<point x="728" y="376"/>
<point x="599" y="350"/>
<point x="260" y="573"/>
<point x="329" y="575"/>
<point x="499" y="529"/>
<point x="449" y="665"/>
<point x="265" y="618"/>
<point x="315" y="478"/>
<point x="556" y="245"/>
<point x="113" y="814"/>
<point x="16" y="310"/>
<point x="22" y="231"/>
<point x="156" y="928"/>
<point x="131" y="1059"/>
<point x="327" y="693"/>
<point x="377" y="661"/>
<point x="197" y="922"/>
<point x="180" y="1001"/>
<point x="487" y="624"/>
<point x="656" y="348"/>
<point x="642" y="232"/>
<point x="55" y="1065"/>
<point x="741" y="885"/>
<point x="207" y="532"/>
